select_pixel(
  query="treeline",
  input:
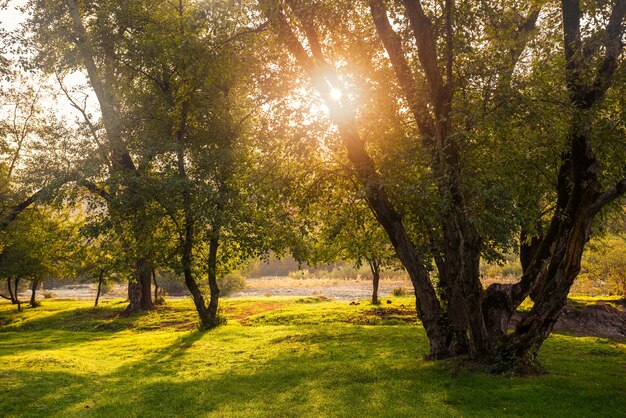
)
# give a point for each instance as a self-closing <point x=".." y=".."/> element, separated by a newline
<point x="426" y="135"/>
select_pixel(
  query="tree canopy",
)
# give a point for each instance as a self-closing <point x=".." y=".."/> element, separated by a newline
<point x="426" y="134"/>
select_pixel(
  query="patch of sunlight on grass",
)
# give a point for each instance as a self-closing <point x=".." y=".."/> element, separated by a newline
<point x="278" y="357"/>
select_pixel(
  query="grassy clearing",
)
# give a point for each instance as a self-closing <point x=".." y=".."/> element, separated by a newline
<point x="278" y="357"/>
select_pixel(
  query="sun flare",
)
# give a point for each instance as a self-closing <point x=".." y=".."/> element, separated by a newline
<point x="335" y="94"/>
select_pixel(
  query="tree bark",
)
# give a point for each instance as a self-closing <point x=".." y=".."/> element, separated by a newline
<point x="11" y="294"/>
<point x="212" y="276"/>
<point x="156" y="287"/>
<point x="16" y="293"/>
<point x="33" y="293"/>
<point x="375" y="268"/>
<point x="134" y="294"/>
<point x="146" y="284"/>
<point x="100" y="278"/>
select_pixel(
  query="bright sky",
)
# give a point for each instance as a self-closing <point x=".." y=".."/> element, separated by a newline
<point x="11" y="19"/>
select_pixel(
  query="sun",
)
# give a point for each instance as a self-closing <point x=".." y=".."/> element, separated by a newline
<point x="335" y="94"/>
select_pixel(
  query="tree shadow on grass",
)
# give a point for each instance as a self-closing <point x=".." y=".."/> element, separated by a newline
<point x="325" y="370"/>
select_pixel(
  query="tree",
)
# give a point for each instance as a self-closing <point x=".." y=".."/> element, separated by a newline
<point x="89" y="38"/>
<point x="44" y="243"/>
<point x="430" y="51"/>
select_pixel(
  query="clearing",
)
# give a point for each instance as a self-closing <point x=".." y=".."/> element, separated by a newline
<point x="278" y="356"/>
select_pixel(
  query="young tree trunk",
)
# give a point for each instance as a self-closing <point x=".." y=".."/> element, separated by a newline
<point x="33" y="293"/>
<point x="207" y="314"/>
<point x="145" y="278"/>
<point x="375" y="268"/>
<point x="156" y="286"/>
<point x="100" y="278"/>
<point x="134" y="294"/>
<point x="212" y="265"/>
<point x="16" y="293"/>
<point x="11" y="294"/>
<point x="207" y="318"/>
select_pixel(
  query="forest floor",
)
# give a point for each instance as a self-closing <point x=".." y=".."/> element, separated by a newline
<point x="279" y="356"/>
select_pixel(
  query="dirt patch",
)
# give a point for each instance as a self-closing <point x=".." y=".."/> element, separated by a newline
<point x="239" y="313"/>
<point x="605" y="320"/>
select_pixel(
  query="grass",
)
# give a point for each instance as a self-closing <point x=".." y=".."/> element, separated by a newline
<point x="300" y="357"/>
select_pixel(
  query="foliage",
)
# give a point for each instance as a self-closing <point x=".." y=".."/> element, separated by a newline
<point x="604" y="267"/>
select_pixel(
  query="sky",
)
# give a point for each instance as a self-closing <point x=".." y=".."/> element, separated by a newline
<point x="11" y="18"/>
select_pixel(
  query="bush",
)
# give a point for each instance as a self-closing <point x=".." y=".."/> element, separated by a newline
<point x="231" y="283"/>
<point x="399" y="291"/>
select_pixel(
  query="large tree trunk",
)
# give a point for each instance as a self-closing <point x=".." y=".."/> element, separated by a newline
<point x="33" y="293"/>
<point x="145" y="278"/>
<point x="134" y="296"/>
<point x="519" y="350"/>
<point x="571" y="224"/>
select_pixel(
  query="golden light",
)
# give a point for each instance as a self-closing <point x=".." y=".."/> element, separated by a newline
<point x="335" y="94"/>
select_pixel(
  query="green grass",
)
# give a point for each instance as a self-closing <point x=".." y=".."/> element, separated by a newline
<point x="278" y="357"/>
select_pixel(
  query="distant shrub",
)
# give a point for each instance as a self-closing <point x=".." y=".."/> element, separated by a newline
<point x="231" y="283"/>
<point x="171" y="283"/>
<point x="399" y="291"/>
<point x="48" y="294"/>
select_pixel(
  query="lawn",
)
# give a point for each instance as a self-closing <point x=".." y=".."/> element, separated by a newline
<point x="278" y="357"/>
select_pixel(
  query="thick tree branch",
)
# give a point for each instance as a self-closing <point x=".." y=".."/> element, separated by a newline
<point x="427" y="51"/>
<point x="37" y="196"/>
<point x="582" y="93"/>
<point x="609" y="196"/>
<point x="393" y="45"/>
<point x="93" y="188"/>
<point x="613" y="47"/>
<point x="427" y="305"/>
<point x="120" y="158"/>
